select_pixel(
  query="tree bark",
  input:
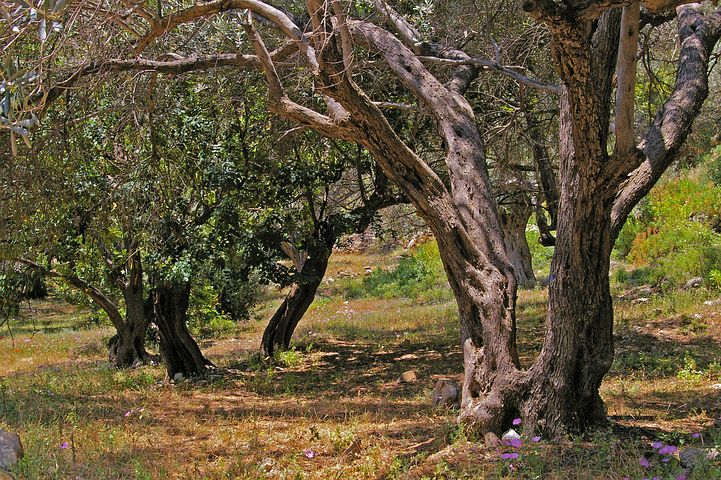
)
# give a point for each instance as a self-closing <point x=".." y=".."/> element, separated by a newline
<point x="514" y="220"/>
<point x="127" y="347"/>
<point x="179" y="350"/>
<point x="281" y="326"/>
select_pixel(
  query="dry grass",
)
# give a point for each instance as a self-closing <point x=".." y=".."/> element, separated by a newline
<point x="335" y="398"/>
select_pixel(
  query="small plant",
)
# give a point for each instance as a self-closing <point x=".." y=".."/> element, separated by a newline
<point x="690" y="370"/>
<point x="289" y="358"/>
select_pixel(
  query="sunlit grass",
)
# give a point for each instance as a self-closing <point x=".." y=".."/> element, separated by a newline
<point x="332" y="408"/>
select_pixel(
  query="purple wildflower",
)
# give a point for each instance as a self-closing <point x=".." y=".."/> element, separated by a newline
<point x="643" y="462"/>
<point x="536" y="439"/>
<point x="516" y="421"/>
<point x="516" y="442"/>
<point x="657" y="445"/>
<point x="509" y="456"/>
<point x="681" y="476"/>
<point x="668" y="450"/>
<point x="309" y="453"/>
<point x="666" y="459"/>
<point x="696" y="435"/>
<point x="64" y="445"/>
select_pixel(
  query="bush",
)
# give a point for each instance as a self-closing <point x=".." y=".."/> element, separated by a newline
<point x="205" y="319"/>
<point x="419" y="275"/>
<point x="680" y="240"/>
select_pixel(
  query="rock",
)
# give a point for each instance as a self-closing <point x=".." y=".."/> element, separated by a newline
<point x="266" y="465"/>
<point x="491" y="440"/>
<point x="408" y="377"/>
<point x="713" y="302"/>
<point x="694" y="283"/>
<point x="691" y="457"/>
<point x="11" y="449"/>
<point x="641" y="300"/>
<point x="446" y="394"/>
<point x="408" y="356"/>
<point x="511" y="434"/>
<point x="178" y="377"/>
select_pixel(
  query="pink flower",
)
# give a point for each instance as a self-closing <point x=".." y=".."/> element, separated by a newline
<point x="643" y="462"/>
<point x="64" y="445"/>
<point x="516" y="421"/>
<point x="309" y="453"/>
<point x="127" y="414"/>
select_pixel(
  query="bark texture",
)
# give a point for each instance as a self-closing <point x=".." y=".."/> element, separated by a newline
<point x="180" y="352"/>
<point x="280" y="328"/>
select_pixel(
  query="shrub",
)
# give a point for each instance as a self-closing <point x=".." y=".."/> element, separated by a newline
<point x="679" y="241"/>
<point x="419" y="275"/>
<point x="205" y="319"/>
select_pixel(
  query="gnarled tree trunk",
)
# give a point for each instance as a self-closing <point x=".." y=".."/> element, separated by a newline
<point x="179" y="350"/>
<point x="127" y="347"/>
<point x="281" y="326"/>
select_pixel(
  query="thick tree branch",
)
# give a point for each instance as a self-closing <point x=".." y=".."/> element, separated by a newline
<point x="699" y="35"/>
<point x="97" y="296"/>
<point x="626" y="79"/>
<point x="281" y="103"/>
<point x="462" y="77"/>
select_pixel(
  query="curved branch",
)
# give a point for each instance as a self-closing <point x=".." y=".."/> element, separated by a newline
<point x="277" y="17"/>
<point x="97" y="296"/>
<point x="699" y="35"/>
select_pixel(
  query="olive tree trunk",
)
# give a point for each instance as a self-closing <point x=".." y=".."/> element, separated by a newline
<point x="127" y="347"/>
<point x="178" y="349"/>
<point x="514" y="220"/>
<point x="281" y="326"/>
<point x="559" y="392"/>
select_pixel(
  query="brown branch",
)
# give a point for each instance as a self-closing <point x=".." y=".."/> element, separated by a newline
<point x="462" y="77"/>
<point x="270" y="13"/>
<point x="280" y="102"/>
<point x="493" y="66"/>
<point x="626" y="79"/>
<point x="699" y="35"/>
<point x="97" y="296"/>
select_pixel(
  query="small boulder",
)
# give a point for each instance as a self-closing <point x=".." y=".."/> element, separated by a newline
<point x="11" y="450"/>
<point x="446" y="394"/>
<point x="178" y="377"/>
<point x="510" y="434"/>
<point x="408" y="377"/>
<point x="691" y="457"/>
<point x="694" y="283"/>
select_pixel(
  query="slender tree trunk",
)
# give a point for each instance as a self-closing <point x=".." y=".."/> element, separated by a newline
<point x="178" y="349"/>
<point x="280" y="329"/>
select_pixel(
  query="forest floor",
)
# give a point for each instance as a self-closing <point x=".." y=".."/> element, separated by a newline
<point x="332" y="407"/>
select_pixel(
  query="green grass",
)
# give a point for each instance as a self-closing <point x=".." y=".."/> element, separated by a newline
<point x="336" y="388"/>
